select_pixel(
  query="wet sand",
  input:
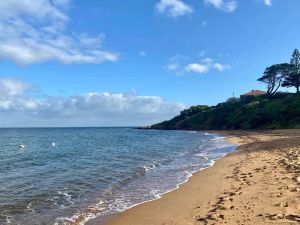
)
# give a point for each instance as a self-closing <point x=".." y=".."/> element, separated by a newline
<point x="257" y="184"/>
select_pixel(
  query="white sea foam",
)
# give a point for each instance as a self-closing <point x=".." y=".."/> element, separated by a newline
<point x="29" y="207"/>
<point x="155" y="193"/>
<point x="193" y="132"/>
<point x="65" y="194"/>
<point x="8" y="219"/>
<point x="202" y="155"/>
<point x="217" y="138"/>
<point x="152" y="166"/>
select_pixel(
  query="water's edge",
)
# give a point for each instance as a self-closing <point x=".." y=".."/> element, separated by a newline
<point x="104" y="220"/>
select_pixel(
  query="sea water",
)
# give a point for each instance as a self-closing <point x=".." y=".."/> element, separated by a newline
<point x="70" y="175"/>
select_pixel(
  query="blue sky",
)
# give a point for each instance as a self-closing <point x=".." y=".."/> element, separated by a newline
<point x="142" y="61"/>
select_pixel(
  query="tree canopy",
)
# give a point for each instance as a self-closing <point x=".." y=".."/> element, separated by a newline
<point x="274" y="75"/>
<point x="283" y="75"/>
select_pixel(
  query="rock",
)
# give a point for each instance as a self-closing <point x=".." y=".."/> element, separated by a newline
<point x="280" y="216"/>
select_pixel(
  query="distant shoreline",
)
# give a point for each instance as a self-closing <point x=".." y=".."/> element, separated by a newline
<point x="201" y="200"/>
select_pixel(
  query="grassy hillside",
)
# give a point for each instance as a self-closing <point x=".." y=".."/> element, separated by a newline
<point x="264" y="112"/>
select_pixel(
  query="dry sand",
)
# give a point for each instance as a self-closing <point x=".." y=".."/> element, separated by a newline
<point x="258" y="184"/>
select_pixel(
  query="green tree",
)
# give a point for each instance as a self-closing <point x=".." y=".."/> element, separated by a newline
<point x="274" y="75"/>
<point x="293" y="78"/>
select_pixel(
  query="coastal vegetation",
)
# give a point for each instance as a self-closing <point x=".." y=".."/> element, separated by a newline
<point x="275" y="110"/>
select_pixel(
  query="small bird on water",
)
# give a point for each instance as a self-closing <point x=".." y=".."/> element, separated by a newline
<point x="53" y="144"/>
<point x="22" y="146"/>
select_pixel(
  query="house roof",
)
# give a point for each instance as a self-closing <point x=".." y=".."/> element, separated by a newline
<point x="254" y="93"/>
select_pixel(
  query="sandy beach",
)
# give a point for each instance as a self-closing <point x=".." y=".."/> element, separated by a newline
<point x="257" y="184"/>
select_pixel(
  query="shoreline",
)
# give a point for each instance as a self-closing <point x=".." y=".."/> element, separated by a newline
<point x="191" y="203"/>
<point x="106" y="219"/>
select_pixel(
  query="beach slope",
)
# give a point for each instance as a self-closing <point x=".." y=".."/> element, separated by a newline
<point x="258" y="184"/>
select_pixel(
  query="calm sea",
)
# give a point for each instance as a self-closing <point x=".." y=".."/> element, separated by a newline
<point x="69" y="175"/>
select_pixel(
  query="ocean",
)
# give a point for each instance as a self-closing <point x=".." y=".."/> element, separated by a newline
<point x="61" y="176"/>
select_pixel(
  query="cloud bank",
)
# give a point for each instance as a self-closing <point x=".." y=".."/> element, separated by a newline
<point x="36" y="31"/>
<point x="20" y="107"/>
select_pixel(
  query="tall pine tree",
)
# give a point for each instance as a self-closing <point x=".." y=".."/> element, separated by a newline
<point x="293" y="78"/>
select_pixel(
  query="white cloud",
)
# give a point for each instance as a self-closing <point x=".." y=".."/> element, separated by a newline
<point x="173" y="8"/>
<point x="11" y="95"/>
<point x="268" y="2"/>
<point x="223" y="5"/>
<point x="40" y="9"/>
<point x="35" y="31"/>
<point x="10" y="87"/>
<point x="18" y="107"/>
<point x="179" y="65"/>
<point x="221" y="67"/>
<point x="197" y="68"/>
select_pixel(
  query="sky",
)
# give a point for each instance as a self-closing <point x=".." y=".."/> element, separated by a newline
<point x="134" y="62"/>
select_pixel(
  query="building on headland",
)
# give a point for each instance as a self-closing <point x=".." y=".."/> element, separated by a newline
<point x="252" y="94"/>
